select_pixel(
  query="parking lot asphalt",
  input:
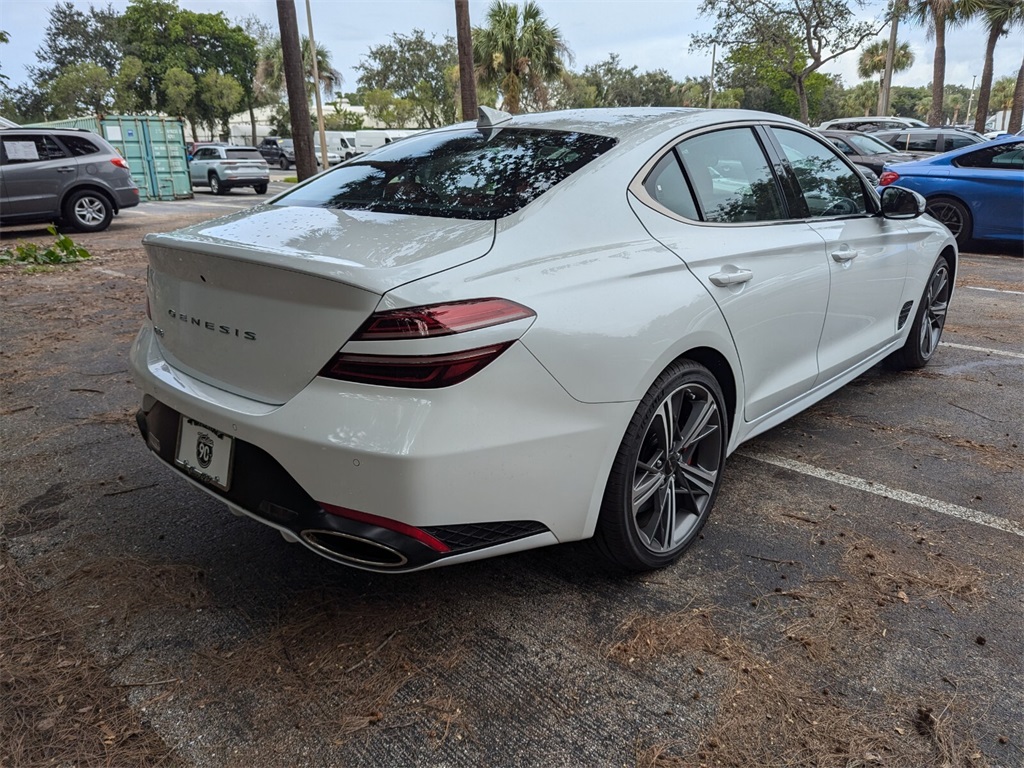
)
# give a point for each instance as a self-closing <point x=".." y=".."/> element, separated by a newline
<point x="856" y="598"/>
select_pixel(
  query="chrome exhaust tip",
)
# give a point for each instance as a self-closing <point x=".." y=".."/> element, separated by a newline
<point x="346" y="548"/>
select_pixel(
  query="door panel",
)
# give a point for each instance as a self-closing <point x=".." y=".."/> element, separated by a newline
<point x="35" y="171"/>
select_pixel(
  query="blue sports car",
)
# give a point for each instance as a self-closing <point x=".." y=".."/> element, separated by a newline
<point x="976" y="191"/>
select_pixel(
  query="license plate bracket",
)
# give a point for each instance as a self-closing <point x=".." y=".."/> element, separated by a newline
<point x="205" y="453"/>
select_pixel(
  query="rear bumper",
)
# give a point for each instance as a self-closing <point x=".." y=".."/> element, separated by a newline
<point x="501" y="462"/>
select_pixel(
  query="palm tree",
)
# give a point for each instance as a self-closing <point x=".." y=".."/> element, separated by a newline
<point x="1002" y="97"/>
<point x="272" y="68"/>
<point x="999" y="16"/>
<point x="937" y="14"/>
<point x="872" y="62"/>
<point x="518" y="51"/>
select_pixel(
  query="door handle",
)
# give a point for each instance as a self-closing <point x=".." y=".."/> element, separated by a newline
<point x="733" y="277"/>
<point x="66" y="169"/>
<point x="845" y="254"/>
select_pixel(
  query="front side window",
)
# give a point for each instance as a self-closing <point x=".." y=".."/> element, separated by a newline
<point x="828" y="185"/>
<point x="462" y="174"/>
<point x="30" y="149"/>
<point x="731" y="177"/>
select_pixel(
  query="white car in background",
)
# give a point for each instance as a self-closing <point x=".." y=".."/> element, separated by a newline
<point x="528" y="330"/>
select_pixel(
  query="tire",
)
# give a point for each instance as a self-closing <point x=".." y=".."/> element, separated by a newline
<point x="261" y="189"/>
<point x="928" y="322"/>
<point x="955" y="215"/>
<point x="217" y="187"/>
<point x="285" y="165"/>
<point x="88" y="211"/>
<point x="657" y="500"/>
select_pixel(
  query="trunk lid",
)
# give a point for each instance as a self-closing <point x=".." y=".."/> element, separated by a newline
<point x="256" y="303"/>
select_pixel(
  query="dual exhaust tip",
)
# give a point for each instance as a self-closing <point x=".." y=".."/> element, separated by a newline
<point x="356" y="550"/>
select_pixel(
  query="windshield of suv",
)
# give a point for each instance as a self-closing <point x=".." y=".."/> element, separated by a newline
<point x="869" y="145"/>
<point x="463" y="174"/>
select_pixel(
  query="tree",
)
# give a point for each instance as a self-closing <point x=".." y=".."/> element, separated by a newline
<point x="618" y="86"/>
<point x="75" y="36"/>
<point x="873" y="60"/>
<point x="800" y="36"/>
<point x="862" y="98"/>
<point x="467" y="80"/>
<point x="415" y="68"/>
<point x="383" y="106"/>
<point x="519" y="52"/>
<point x="1017" y="108"/>
<point x="999" y="17"/>
<point x="329" y="78"/>
<point x="4" y="38"/>
<point x="82" y="89"/>
<point x="298" y="98"/>
<point x="937" y="15"/>
<point x="1002" y="100"/>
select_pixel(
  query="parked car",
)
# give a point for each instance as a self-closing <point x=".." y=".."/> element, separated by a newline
<point x="976" y="191"/>
<point x="68" y="176"/>
<point x="333" y="158"/>
<point x="537" y="329"/>
<point x="928" y="140"/>
<point x="871" y="123"/>
<point x="192" y="146"/>
<point x="278" y="151"/>
<point x="867" y="150"/>
<point x="222" y="168"/>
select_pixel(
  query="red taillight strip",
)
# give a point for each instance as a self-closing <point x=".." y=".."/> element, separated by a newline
<point x="440" y="319"/>
<point x="416" y="371"/>
<point x="120" y="162"/>
<point x="392" y="525"/>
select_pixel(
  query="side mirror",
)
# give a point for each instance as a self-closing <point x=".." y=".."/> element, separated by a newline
<point x="902" y="203"/>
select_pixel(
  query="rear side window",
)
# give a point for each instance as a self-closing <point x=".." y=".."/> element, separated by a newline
<point x="667" y="186"/>
<point x="244" y="154"/>
<point x="731" y="177"/>
<point x="955" y="142"/>
<point x="30" y="149"/>
<point x="464" y="174"/>
<point x="79" y="145"/>
<point x="918" y="142"/>
<point x="1008" y="157"/>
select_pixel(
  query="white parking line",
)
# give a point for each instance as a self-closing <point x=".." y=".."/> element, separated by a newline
<point x="942" y="507"/>
<point x="994" y="290"/>
<point x="1002" y="352"/>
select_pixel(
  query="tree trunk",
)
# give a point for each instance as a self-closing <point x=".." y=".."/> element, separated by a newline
<point x="298" y="102"/>
<point x="801" y="92"/>
<point x="938" y="70"/>
<point x="985" y="89"/>
<point x="1017" y="112"/>
<point x="467" y="79"/>
<point x="252" y="123"/>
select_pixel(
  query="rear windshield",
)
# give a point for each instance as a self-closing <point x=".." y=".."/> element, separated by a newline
<point x="244" y="154"/>
<point x="465" y="174"/>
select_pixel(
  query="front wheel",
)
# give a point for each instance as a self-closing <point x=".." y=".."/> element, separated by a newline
<point x="954" y="215"/>
<point x="88" y="211"/>
<point x="667" y="471"/>
<point x="928" y="322"/>
<point x="216" y="187"/>
<point x="285" y="165"/>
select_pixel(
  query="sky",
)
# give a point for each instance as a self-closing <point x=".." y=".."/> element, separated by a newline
<point x="651" y="34"/>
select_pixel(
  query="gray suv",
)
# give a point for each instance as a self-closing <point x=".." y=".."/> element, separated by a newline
<point x="67" y="176"/>
<point x="223" y="167"/>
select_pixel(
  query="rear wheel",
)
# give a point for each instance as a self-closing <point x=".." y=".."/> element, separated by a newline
<point x="928" y="322"/>
<point x="88" y="211"/>
<point x="261" y="189"/>
<point x="667" y="470"/>
<point x="954" y="215"/>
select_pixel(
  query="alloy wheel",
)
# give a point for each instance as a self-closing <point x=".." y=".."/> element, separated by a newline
<point x="90" y="210"/>
<point x="936" y="300"/>
<point x="677" y="468"/>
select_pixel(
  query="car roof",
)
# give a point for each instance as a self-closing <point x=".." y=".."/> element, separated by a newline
<point x="634" y="125"/>
<point x="37" y="129"/>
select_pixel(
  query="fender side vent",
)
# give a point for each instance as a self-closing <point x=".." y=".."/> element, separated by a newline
<point x="904" y="314"/>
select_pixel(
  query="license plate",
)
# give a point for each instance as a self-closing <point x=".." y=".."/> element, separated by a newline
<point x="204" y="453"/>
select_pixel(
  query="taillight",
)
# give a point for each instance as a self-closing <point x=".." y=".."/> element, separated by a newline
<point x="888" y="178"/>
<point x="392" y="525"/>
<point x="440" y="319"/>
<point x="417" y="371"/>
<point x="425" y="371"/>
<point x="120" y="163"/>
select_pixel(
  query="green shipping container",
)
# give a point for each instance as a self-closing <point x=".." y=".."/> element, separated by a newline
<point x="153" y="146"/>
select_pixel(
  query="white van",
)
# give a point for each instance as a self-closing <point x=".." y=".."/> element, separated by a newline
<point x="369" y="140"/>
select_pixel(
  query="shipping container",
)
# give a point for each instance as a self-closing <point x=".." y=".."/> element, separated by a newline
<point x="154" y="148"/>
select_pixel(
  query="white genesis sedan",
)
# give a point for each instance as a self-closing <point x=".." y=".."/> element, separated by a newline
<point x="527" y="330"/>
